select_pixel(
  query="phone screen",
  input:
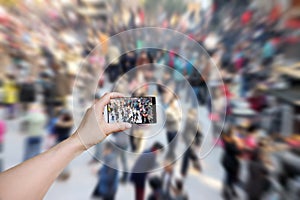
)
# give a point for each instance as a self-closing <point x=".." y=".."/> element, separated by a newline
<point x="134" y="110"/>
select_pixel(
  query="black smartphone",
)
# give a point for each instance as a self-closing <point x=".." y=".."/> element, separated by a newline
<point x="134" y="110"/>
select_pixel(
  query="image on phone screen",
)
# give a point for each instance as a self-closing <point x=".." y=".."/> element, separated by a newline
<point x="134" y="110"/>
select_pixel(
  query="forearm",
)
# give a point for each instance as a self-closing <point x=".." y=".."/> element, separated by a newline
<point x="32" y="179"/>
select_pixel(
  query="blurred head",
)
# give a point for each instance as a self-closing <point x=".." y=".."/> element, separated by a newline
<point x="65" y="115"/>
<point x="108" y="148"/>
<point x="10" y="76"/>
<point x="155" y="183"/>
<point x="253" y="129"/>
<point x="35" y="107"/>
<point x="178" y="185"/>
<point x="156" y="147"/>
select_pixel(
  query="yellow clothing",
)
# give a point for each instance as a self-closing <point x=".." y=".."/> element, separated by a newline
<point x="103" y="38"/>
<point x="11" y="92"/>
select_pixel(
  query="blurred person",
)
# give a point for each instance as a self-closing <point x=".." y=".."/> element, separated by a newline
<point x="173" y="118"/>
<point x="165" y="86"/>
<point x="136" y="138"/>
<point x="128" y="60"/>
<point x="251" y="141"/>
<point x="230" y="163"/>
<point x="41" y="171"/>
<point x="156" y="189"/>
<point x="35" y="121"/>
<point x="268" y="52"/>
<point x="258" y="183"/>
<point x="107" y="185"/>
<point x="63" y="125"/>
<point x="27" y="93"/>
<point x="114" y="68"/>
<point x="218" y="106"/>
<point x="167" y="179"/>
<point x="2" y="133"/>
<point x="178" y="74"/>
<point x="143" y="165"/>
<point x="198" y="87"/>
<point x="192" y="138"/>
<point x="57" y="109"/>
<point x="62" y="82"/>
<point x="178" y="191"/>
<point x="122" y="143"/>
<point x="257" y="100"/>
<point x="11" y="91"/>
<point x="143" y="59"/>
<point x="48" y="92"/>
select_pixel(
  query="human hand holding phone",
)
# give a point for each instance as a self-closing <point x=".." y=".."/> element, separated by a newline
<point x="94" y="128"/>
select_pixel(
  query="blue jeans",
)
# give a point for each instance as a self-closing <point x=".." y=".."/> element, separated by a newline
<point x="32" y="147"/>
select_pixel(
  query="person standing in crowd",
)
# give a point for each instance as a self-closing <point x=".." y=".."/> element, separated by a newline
<point x="167" y="178"/>
<point x="114" y="69"/>
<point x="107" y="185"/>
<point x="62" y="82"/>
<point x="258" y="182"/>
<point x="10" y="95"/>
<point x="122" y="143"/>
<point x="63" y="126"/>
<point x="156" y="189"/>
<point x="173" y="118"/>
<point x="218" y="106"/>
<point x="251" y="141"/>
<point x="48" y="92"/>
<point x="192" y="139"/>
<point x="144" y="164"/>
<point x="27" y="93"/>
<point x="179" y="192"/>
<point x="127" y="62"/>
<point x="35" y="121"/>
<point x="231" y="164"/>
<point x="196" y="81"/>
<point x="178" y="73"/>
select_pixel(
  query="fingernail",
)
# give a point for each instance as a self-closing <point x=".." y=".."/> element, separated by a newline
<point x="127" y="125"/>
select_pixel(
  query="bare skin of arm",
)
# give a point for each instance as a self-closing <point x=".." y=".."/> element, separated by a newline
<point x="32" y="178"/>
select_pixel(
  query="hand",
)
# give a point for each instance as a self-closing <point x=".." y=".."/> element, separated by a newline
<point x="93" y="128"/>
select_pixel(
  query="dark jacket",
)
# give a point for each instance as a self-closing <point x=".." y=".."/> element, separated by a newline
<point x="27" y="93"/>
<point x="48" y="92"/>
<point x="229" y="160"/>
<point x="258" y="182"/>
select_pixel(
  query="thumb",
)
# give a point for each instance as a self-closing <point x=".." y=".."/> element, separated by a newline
<point x="117" y="127"/>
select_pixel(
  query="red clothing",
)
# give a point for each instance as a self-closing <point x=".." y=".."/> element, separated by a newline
<point x="246" y="17"/>
<point x="2" y="131"/>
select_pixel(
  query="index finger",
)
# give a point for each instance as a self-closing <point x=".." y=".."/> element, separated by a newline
<point x="104" y="100"/>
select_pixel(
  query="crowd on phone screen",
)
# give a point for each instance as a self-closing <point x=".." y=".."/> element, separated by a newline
<point x="40" y="53"/>
<point x="137" y="110"/>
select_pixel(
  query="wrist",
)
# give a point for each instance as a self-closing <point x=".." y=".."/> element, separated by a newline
<point x="76" y="143"/>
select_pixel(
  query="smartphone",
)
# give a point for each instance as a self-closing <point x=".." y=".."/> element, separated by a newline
<point x="134" y="110"/>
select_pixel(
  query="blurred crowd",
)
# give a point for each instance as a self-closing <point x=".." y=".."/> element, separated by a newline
<point x="44" y="44"/>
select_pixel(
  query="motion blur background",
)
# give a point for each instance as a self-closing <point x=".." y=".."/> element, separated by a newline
<point x="254" y="44"/>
